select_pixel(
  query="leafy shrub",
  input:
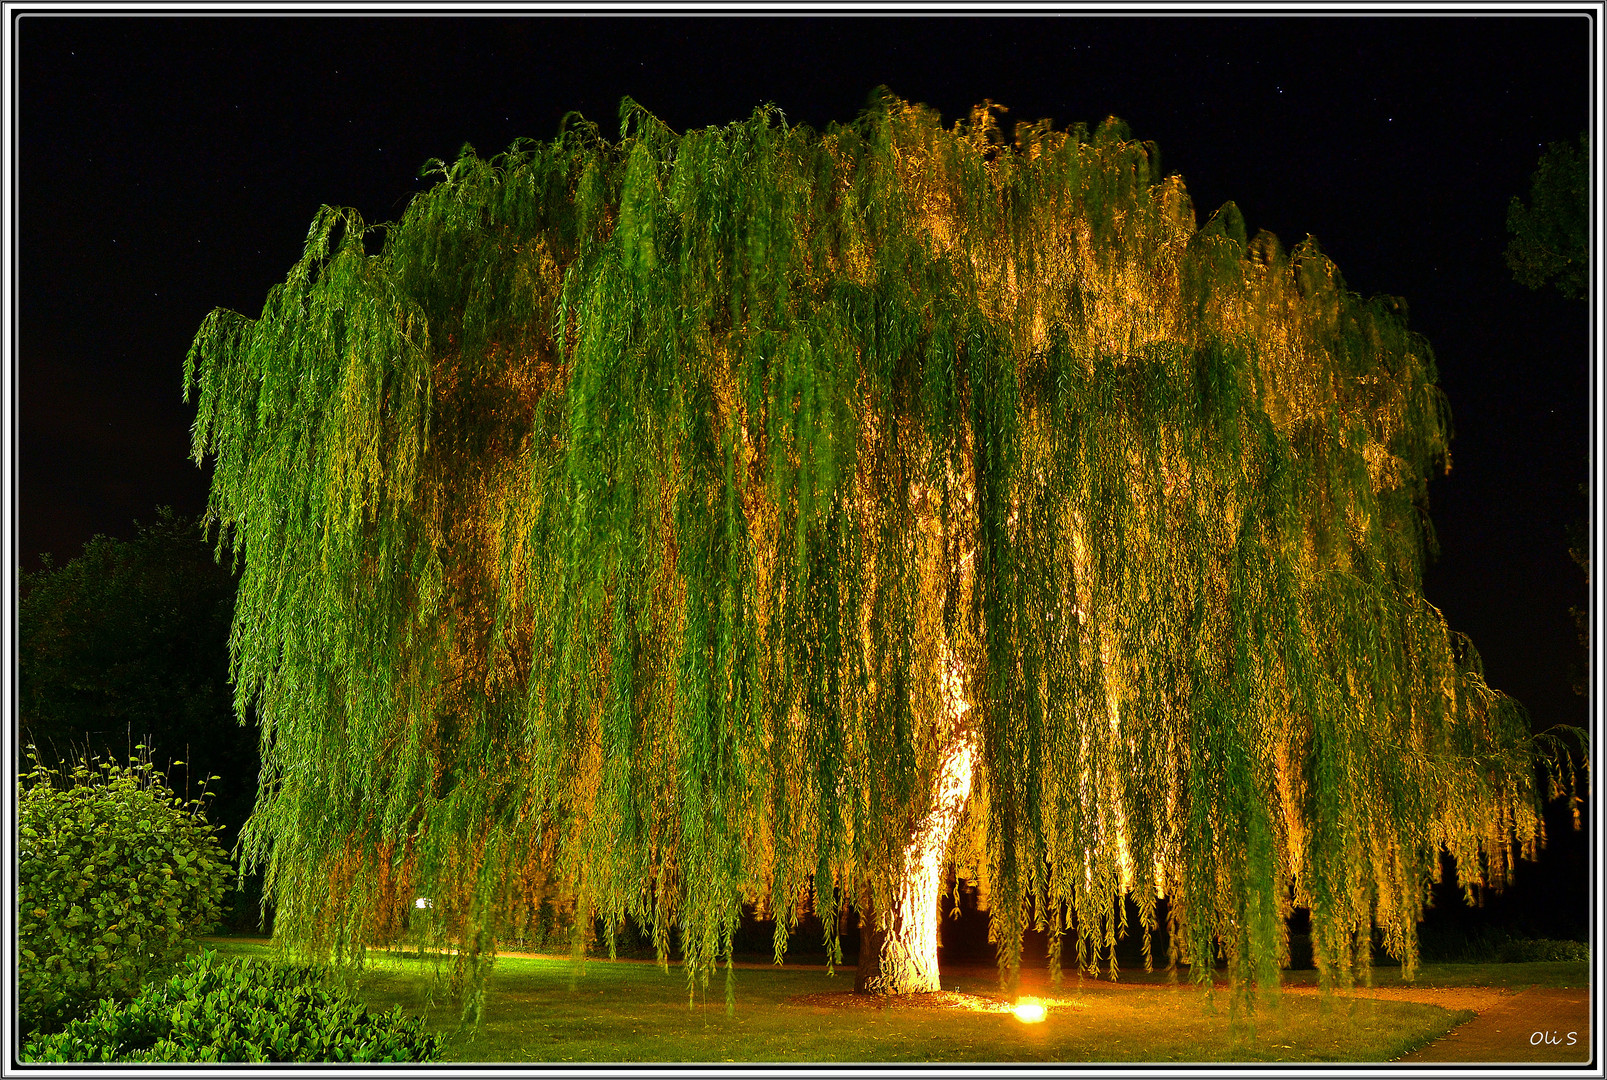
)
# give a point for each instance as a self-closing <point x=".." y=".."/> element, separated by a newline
<point x="239" y="1010"/>
<point x="1523" y="951"/>
<point x="116" y="876"/>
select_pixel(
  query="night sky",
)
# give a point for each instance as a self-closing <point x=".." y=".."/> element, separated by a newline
<point x="166" y="166"/>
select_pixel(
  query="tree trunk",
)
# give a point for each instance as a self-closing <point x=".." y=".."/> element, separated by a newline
<point x="898" y="947"/>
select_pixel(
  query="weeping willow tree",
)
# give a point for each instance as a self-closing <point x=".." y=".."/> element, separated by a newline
<point x="765" y="518"/>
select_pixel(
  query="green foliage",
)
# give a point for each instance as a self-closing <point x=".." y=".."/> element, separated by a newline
<point x="116" y="876"/>
<point x="1551" y="235"/>
<point x="1530" y="950"/>
<point x="1495" y="946"/>
<point x="129" y="642"/>
<point x="642" y="524"/>
<point x="239" y="1010"/>
<point x="543" y="927"/>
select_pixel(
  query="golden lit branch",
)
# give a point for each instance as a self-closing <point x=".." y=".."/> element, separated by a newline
<point x="762" y="516"/>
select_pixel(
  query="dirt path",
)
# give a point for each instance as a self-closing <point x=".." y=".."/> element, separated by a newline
<point x="1536" y="1024"/>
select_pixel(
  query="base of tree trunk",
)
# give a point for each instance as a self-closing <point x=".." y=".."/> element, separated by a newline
<point x="898" y="949"/>
<point x="898" y="946"/>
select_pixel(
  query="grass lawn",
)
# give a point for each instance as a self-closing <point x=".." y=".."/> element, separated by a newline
<point x="543" y="1009"/>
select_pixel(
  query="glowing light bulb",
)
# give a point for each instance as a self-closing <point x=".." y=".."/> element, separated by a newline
<point x="1029" y="1011"/>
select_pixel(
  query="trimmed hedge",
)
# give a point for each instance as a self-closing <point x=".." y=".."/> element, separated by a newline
<point x="240" y="1010"/>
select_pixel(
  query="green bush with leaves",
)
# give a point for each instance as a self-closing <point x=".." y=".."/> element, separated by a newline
<point x="240" y="1010"/>
<point x="1532" y="950"/>
<point x="116" y="877"/>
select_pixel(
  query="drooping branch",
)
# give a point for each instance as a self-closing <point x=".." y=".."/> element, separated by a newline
<point x="616" y="532"/>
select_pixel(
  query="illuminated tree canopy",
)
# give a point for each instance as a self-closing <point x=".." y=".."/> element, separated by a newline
<point x="766" y="516"/>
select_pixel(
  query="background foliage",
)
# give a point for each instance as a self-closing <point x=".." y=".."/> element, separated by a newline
<point x="1551" y="233"/>
<point x="129" y="643"/>
<point x="618" y="523"/>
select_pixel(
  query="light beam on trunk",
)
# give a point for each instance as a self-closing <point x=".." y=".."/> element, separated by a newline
<point x="898" y="949"/>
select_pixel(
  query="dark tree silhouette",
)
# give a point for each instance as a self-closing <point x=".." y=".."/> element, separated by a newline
<point x="128" y="644"/>
<point x="1551" y="234"/>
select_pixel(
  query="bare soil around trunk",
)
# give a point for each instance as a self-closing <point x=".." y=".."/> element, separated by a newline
<point x="938" y="999"/>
